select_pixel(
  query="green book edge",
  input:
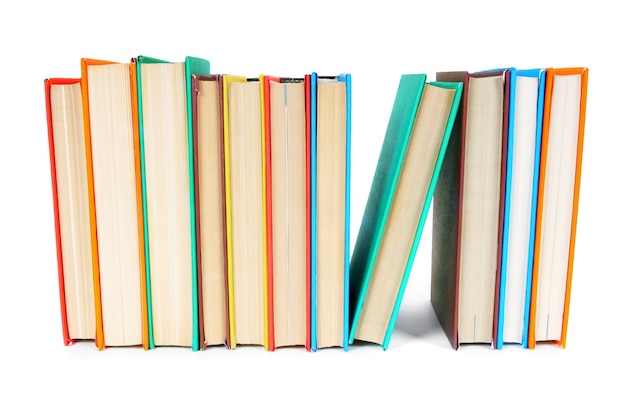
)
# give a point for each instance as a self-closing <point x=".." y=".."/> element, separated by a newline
<point x="140" y="61"/>
<point x="382" y="190"/>
<point x="193" y="66"/>
<point x="458" y="87"/>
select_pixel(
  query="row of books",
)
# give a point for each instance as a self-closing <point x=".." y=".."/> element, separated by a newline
<point x="504" y="177"/>
<point x="197" y="209"/>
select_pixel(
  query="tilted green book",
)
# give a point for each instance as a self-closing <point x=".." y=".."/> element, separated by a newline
<point x="402" y="189"/>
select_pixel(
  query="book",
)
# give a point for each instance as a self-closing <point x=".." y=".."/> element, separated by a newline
<point x="70" y="169"/>
<point x="111" y="129"/>
<point x="286" y="209"/>
<point x="168" y="184"/>
<point x="210" y="213"/>
<point x="330" y="130"/>
<point x="557" y="204"/>
<point x="522" y="179"/>
<point x="467" y="210"/>
<point x="193" y="65"/>
<point x="245" y="216"/>
<point x="398" y="204"/>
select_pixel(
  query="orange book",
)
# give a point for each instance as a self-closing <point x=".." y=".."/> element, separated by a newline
<point x="70" y="167"/>
<point x="557" y="205"/>
<point x="111" y="128"/>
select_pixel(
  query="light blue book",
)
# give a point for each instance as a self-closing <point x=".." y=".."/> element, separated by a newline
<point x="520" y="206"/>
<point x="321" y="199"/>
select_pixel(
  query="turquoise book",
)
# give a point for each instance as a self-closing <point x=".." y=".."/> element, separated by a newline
<point x="520" y="205"/>
<point x="330" y="104"/>
<point x="404" y="182"/>
<point x="167" y="170"/>
<point x="193" y="66"/>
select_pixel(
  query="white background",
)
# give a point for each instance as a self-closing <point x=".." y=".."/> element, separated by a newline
<point x="376" y="42"/>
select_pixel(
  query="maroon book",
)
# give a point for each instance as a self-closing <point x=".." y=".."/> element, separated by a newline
<point x="447" y="212"/>
<point x="199" y="249"/>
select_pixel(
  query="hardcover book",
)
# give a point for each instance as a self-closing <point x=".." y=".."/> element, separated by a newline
<point x="408" y="168"/>
<point x="467" y="210"/>
<point x="286" y="209"/>
<point x="330" y="130"/>
<point x="168" y="202"/>
<point x="245" y="205"/>
<point x="210" y="213"/>
<point x="70" y="169"/>
<point x="557" y="205"/>
<point x="111" y="129"/>
<point x="522" y="179"/>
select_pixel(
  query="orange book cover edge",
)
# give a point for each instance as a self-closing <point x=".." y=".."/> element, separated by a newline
<point x="85" y="63"/>
<point x="550" y="73"/>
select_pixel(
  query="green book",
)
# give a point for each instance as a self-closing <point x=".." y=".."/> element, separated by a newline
<point x="167" y="170"/>
<point x="402" y="189"/>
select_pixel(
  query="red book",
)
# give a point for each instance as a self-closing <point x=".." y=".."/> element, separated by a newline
<point x="70" y="168"/>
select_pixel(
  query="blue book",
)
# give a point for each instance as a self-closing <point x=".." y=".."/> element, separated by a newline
<point x="520" y="209"/>
<point x="330" y="209"/>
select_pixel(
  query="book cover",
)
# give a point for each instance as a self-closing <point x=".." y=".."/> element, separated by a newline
<point x="92" y="205"/>
<point x="312" y="134"/>
<point x="314" y="81"/>
<point x="99" y="174"/>
<point x="193" y="65"/>
<point x="382" y="189"/>
<point x="309" y="205"/>
<point x="59" y="188"/>
<point x="134" y="97"/>
<point x="519" y="215"/>
<point x="447" y="212"/>
<point x="384" y="186"/>
<point x="561" y="155"/>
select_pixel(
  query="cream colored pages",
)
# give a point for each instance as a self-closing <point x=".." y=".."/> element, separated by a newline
<point x="480" y="209"/>
<point x="211" y="202"/>
<point x="167" y="188"/>
<point x="247" y="211"/>
<point x="73" y="199"/>
<point x="558" y="197"/>
<point x="116" y="203"/>
<point x="331" y="197"/>
<point x="404" y="214"/>
<point x="288" y="156"/>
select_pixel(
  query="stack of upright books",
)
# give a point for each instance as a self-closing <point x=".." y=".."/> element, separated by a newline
<point x="198" y="209"/>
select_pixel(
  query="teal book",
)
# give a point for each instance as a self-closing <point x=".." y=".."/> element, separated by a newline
<point x="193" y="66"/>
<point x="166" y="153"/>
<point x="404" y="182"/>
